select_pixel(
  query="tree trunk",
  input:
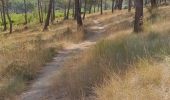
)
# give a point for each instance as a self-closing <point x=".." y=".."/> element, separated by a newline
<point x="78" y="14"/>
<point x="68" y="9"/>
<point x="9" y="18"/>
<point x="105" y="5"/>
<point x="120" y="4"/>
<point x="39" y="12"/>
<point x="138" y="25"/>
<point x="48" y="15"/>
<point x="74" y="12"/>
<point x="146" y="2"/>
<point x="101" y="7"/>
<point x="4" y="17"/>
<point x="53" y="12"/>
<point x="25" y="10"/>
<point x="129" y="5"/>
<point x="65" y="12"/>
<point x="98" y="6"/>
<point x="42" y="13"/>
<point x="94" y="9"/>
<point x="117" y="4"/>
<point x="153" y="4"/>
<point x="85" y="8"/>
<point x="90" y="8"/>
<point x="113" y="3"/>
<point x="1" y="15"/>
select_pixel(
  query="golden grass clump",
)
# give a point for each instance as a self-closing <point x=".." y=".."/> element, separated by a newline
<point x="96" y="65"/>
<point x="146" y="82"/>
<point x="20" y="62"/>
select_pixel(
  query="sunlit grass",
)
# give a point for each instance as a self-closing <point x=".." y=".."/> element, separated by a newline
<point x="22" y="57"/>
<point x="114" y="56"/>
<point x="147" y="80"/>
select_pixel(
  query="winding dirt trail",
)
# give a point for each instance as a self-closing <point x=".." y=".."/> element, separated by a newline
<point x="39" y="88"/>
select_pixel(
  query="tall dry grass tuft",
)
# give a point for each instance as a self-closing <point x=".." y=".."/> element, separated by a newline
<point x="144" y="76"/>
<point x="73" y="36"/>
<point x="23" y="55"/>
<point x="148" y="81"/>
<point x="96" y="65"/>
<point x="79" y="35"/>
<point x="20" y="61"/>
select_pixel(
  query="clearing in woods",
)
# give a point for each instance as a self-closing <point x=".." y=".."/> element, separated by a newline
<point x="39" y="88"/>
<point x="97" y="30"/>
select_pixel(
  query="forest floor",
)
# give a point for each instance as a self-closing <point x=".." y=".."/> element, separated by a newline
<point x="97" y="28"/>
<point x="39" y="88"/>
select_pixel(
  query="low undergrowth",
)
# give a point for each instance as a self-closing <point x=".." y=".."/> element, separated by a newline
<point x="111" y="59"/>
<point x="20" y="61"/>
<point x="147" y="80"/>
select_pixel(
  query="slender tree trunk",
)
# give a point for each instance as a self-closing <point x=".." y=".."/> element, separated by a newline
<point x="146" y="2"/>
<point x="53" y="12"/>
<point x="94" y="9"/>
<point x="65" y="12"/>
<point x="98" y="6"/>
<point x="25" y="10"/>
<point x="68" y="9"/>
<point x="9" y="18"/>
<point x="138" y="25"/>
<point x="10" y="22"/>
<point x="74" y="12"/>
<point x="116" y="4"/>
<point x="85" y="8"/>
<point x="90" y="8"/>
<point x="101" y="7"/>
<point x="4" y="17"/>
<point x="1" y="16"/>
<point x="78" y="14"/>
<point x="120" y="4"/>
<point x="129" y="5"/>
<point x="45" y="9"/>
<point x="153" y="4"/>
<point x="42" y="13"/>
<point x="48" y="15"/>
<point x="39" y="12"/>
<point x="113" y="3"/>
<point x="105" y="5"/>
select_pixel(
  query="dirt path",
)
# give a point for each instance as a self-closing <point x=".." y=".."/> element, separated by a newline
<point x="165" y="87"/>
<point x="40" y="86"/>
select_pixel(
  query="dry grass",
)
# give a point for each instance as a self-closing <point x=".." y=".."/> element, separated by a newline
<point x="148" y="81"/>
<point x="118" y="56"/>
<point x="73" y="36"/>
<point x="122" y="67"/>
<point x="146" y="78"/>
<point x="20" y="62"/>
<point x="22" y="55"/>
<point x="130" y="57"/>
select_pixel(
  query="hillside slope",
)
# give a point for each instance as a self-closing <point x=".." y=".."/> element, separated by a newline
<point x="121" y="66"/>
